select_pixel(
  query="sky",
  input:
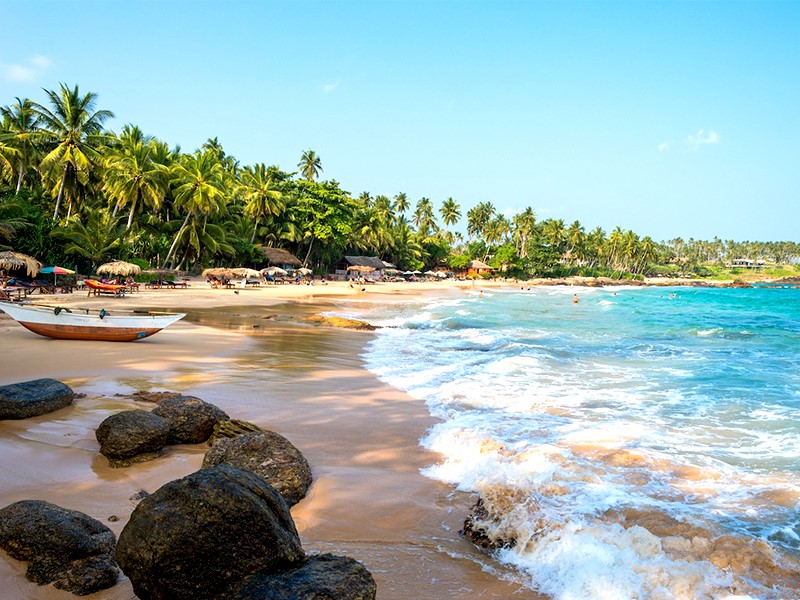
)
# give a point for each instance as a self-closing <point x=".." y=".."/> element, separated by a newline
<point x="673" y="119"/>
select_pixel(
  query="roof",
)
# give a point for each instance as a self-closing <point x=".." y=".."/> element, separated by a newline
<point x="476" y="264"/>
<point x="279" y="256"/>
<point x="365" y="261"/>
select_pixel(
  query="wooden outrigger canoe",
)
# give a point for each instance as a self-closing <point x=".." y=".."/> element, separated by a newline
<point x="89" y="324"/>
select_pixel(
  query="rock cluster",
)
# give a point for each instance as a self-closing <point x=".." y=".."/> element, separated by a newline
<point x="223" y="532"/>
<point x="65" y="547"/>
<point x="136" y="435"/>
<point x="220" y="533"/>
<point x="33" y="398"/>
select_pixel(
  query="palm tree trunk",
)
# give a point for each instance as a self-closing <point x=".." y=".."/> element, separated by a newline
<point x="115" y="211"/>
<point x="175" y="241"/>
<point x="255" y="226"/>
<point x="311" y="245"/>
<point x="21" y="175"/>
<point x="60" y="193"/>
<point x="130" y="215"/>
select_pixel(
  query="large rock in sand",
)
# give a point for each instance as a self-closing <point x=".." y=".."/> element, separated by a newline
<point x="131" y="433"/>
<point x="65" y="547"/>
<point x="196" y="536"/>
<point x="191" y="421"/>
<point x="321" y="577"/>
<point x="269" y="455"/>
<point x="33" y="398"/>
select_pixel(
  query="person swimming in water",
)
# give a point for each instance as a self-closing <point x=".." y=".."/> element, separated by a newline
<point x="575" y="299"/>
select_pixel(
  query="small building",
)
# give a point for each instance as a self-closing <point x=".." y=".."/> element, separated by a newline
<point x="373" y="263"/>
<point x="746" y="263"/>
<point x="477" y="267"/>
<point x="278" y="257"/>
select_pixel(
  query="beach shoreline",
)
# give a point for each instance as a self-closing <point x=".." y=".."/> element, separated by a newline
<point x="361" y="436"/>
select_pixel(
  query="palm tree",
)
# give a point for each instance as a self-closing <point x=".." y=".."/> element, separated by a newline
<point x="478" y="217"/>
<point x="96" y="239"/>
<point x="261" y="197"/>
<point x="132" y="175"/>
<point x="20" y="123"/>
<point x="198" y="191"/>
<point x="73" y="130"/>
<point x="423" y="216"/>
<point x="401" y="203"/>
<point x="524" y="225"/>
<point x="310" y="165"/>
<point x="451" y="213"/>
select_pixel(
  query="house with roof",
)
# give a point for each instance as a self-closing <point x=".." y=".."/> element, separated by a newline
<point x="371" y="263"/>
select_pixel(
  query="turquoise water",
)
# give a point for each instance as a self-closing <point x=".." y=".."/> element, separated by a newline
<point x="636" y="444"/>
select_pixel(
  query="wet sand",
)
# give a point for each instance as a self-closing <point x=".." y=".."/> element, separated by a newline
<point x="360" y="436"/>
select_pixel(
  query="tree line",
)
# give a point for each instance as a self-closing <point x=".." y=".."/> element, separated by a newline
<point x="74" y="192"/>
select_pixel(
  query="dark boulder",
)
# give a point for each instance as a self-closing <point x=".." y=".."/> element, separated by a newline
<point x="65" y="547"/>
<point x="324" y="577"/>
<point x="269" y="455"/>
<point x="33" y="398"/>
<point x="194" y="537"/>
<point x="191" y="420"/>
<point x="132" y="433"/>
<point x="739" y="283"/>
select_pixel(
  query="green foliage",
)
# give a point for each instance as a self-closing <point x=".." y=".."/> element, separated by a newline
<point x="458" y="262"/>
<point x="190" y="209"/>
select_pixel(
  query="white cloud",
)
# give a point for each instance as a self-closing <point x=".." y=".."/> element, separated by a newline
<point x="40" y="61"/>
<point x="27" y="71"/>
<point x="663" y="146"/>
<point x="702" y="138"/>
<point x="329" y="87"/>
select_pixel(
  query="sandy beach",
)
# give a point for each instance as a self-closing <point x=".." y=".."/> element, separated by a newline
<point x="307" y="383"/>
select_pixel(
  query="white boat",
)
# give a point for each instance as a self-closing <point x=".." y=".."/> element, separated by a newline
<point x="89" y="324"/>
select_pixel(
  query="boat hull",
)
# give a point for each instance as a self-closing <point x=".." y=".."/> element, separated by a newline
<point x="64" y="324"/>
<point x="81" y="332"/>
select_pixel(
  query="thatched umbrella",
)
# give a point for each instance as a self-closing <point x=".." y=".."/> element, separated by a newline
<point x="304" y="271"/>
<point x="274" y="271"/>
<point x="119" y="267"/>
<point x="218" y="272"/>
<point x="245" y="272"/>
<point x="16" y="260"/>
<point x="360" y="268"/>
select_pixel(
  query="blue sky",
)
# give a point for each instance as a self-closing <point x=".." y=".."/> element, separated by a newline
<point x="671" y="119"/>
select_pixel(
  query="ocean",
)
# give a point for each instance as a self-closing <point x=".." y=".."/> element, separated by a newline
<point x="640" y="443"/>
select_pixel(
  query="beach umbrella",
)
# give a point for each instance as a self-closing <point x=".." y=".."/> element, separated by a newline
<point x="304" y="271"/>
<point x="441" y="274"/>
<point x="218" y="272"/>
<point x="274" y="271"/>
<point x="245" y="272"/>
<point x="119" y="267"/>
<point x="56" y="271"/>
<point x="431" y="273"/>
<point x="16" y="260"/>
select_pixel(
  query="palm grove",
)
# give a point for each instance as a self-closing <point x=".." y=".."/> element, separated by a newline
<point x="73" y="192"/>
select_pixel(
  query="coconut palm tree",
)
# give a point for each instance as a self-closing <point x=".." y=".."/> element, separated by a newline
<point x="451" y="213"/>
<point x="262" y="198"/>
<point x="95" y="237"/>
<point x="20" y="124"/>
<point x="423" y="216"/>
<point x="401" y="203"/>
<point x="310" y="165"/>
<point x="72" y="132"/>
<point x="478" y="217"/>
<point x="524" y="227"/>
<point x="198" y="191"/>
<point x="132" y="175"/>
